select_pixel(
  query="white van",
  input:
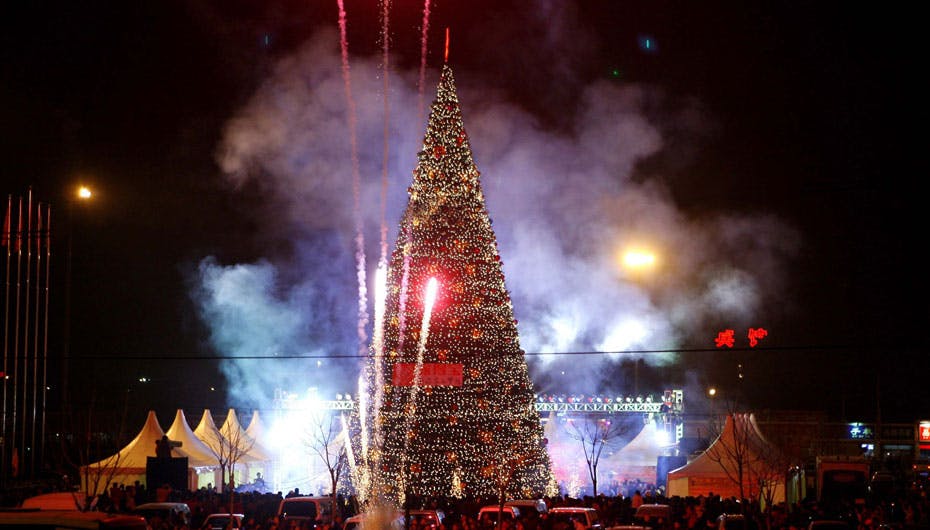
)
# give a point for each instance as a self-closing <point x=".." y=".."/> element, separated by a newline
<point x="569" y="514"/>
<point x="314" y="509"/>
<point x="490" y="514"/>
<point x="529" y="505"/>
<point x="171" y="513"/>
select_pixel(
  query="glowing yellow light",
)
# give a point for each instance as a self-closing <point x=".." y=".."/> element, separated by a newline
<point x="84" y="193"/>
<point x="638" y="259"/>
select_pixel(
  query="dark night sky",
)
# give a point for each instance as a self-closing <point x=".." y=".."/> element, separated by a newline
<point x="796" y="111"/>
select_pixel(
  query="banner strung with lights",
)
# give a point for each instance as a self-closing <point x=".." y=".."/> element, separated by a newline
<point x="431" y="374"/>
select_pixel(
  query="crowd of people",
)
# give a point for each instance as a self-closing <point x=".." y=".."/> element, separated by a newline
<point x="908" y="509"/>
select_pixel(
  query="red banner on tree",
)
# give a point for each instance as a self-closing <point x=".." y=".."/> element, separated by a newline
<point x="431" y="374"/>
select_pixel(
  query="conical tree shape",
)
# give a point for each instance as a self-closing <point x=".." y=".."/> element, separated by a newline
<point x="470" y="425"/>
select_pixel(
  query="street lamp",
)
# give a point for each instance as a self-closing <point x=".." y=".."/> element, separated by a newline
<point x="637" y="262"/>
<point x="638" y="259"/>
<point x="81" y="194"/>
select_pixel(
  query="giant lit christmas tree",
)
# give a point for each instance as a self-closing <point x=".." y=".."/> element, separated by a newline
<point x="454" y="408"/>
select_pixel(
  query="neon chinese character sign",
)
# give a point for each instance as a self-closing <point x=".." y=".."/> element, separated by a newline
<point x="727" y="337"/>
<point x="755" y="334"/>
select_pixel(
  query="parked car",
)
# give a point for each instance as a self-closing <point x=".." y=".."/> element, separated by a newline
<point x="652" y="515"/>
<point x="172" y="513"/>
<point x="569" y="514"/>
<point x="428" y="518"/>
<point x="221" y="521"/>
<point x="731" y="521"/>
<point x="882" y="486"/>
<point x="356" y="521"/>
<point x="491" y="512"/>
<point x="317" y="510"/>
<point x="829" y="524"/>
<point x="527" y="505"/>
<point x="63" y="500"/>
<point x="20" y="519"/>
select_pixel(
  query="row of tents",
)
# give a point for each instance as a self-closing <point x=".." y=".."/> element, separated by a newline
<point x="739" y="453"/>
<point x="205" y="447"/>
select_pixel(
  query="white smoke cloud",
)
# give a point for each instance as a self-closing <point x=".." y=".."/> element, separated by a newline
<point x="564" y="203"/>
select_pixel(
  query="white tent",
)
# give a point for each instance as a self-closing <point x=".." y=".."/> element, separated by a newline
<point x="202" y="463"/>
<point x="715" y="470"/>
<point x="128" y="465"/>
<point x="639" y="458"/>
<point x="252" y="459"/>
<point x="198" y="446"/>
<point x="233" y="430"/>
<point x="207" y="431"/>
<point x="198" y="453"/>
<point x="256" y="428"/>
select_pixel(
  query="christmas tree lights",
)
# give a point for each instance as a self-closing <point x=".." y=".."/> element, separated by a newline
<point x="468" y="425"/>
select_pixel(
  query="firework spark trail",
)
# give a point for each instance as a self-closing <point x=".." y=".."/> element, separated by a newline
<point x="423" y="42"/>
<point x="402" y="303"/>
<point x="344" y="435"/>
<point x="380" y="300"/>
<point x="363" y="411"/>
<point x="431" y="287"/>
<point x="428" y="300"/>
<point x="353" y="141"/>
<point x="358" y="473"/>
<point x="359" y="237"/>
<point x="386" y="43"/>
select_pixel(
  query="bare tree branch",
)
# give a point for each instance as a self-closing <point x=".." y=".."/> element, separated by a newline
<point x="595" y="434"/>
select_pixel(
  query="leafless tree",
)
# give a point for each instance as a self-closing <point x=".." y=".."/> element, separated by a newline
<point x="595" y="434"/>
<point x="86" y="447"/>
<point x="757" y="467"/>
<point x="734" y="454"/>
<point x="229" y="446"/>
<point x="770" y="475"/>
<point x="326" y="438"/>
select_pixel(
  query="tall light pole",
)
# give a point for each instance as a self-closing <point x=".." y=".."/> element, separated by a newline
<point x="82" y="193"/>
<point x="637" y="263"/>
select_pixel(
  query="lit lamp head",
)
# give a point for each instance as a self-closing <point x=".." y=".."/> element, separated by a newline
<point x="84" y="193"/>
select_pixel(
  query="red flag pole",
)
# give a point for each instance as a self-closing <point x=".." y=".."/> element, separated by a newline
<point x="25" y="386"/>
<point x="18" y="240"/>
<point x="5" y="238"/>
<point x="48" y="276"/>
<point x="35" y="339"/>
<point x="6" y="331"/>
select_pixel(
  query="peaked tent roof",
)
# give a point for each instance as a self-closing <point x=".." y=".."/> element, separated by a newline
<point x="707" y="470"/>
<point x="134" y="456"/>
<point x="257" y="431"/>
<point x="643" y="450"/>
<point x="198" y="453"/>
<point x="208" y="432"/>
<point x="233" y="430"/>
<point x="708" y="462"/>
<point x="256" y="428"/>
